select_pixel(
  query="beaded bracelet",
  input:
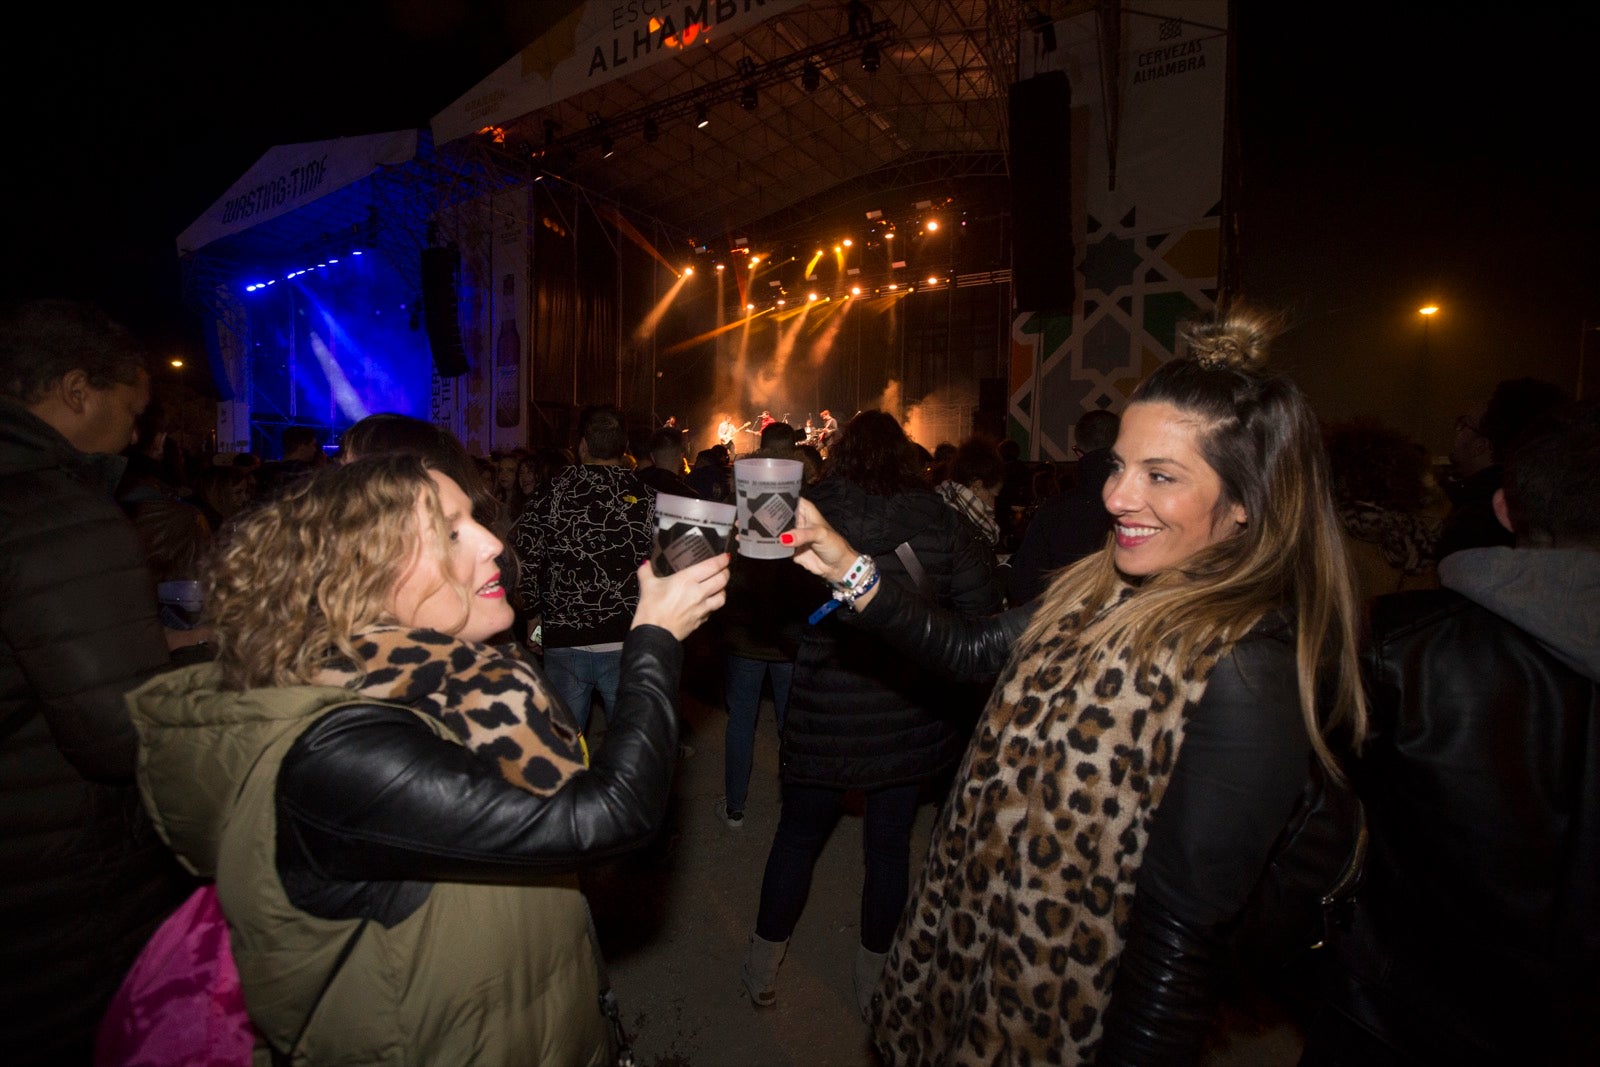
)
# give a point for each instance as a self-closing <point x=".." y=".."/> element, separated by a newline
<point x="858" y="573"/>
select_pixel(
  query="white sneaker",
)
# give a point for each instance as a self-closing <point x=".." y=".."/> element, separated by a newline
<point x="734" y="819"/>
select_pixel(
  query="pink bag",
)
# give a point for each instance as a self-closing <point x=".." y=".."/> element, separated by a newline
<point x="181" y="1004"/>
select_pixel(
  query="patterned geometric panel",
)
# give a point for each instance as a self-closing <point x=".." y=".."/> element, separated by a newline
<point x="1149" y="235"/>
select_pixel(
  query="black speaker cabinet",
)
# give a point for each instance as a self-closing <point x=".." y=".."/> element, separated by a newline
<point x="1041" y="193"/>
<point x="441" y="268"/>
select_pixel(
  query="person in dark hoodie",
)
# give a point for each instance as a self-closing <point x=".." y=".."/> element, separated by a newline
<point x="860" y="718"/>
<point x="1476" y="931"/>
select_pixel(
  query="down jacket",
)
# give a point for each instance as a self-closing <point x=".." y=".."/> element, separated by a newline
<point x="315" y="809"/>
<point x="85" y="879"/>
<point x="859" y="716"/>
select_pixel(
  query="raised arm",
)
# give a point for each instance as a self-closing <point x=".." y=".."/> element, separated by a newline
<point x="370" y="793"/>
<point x="969" y="649"/>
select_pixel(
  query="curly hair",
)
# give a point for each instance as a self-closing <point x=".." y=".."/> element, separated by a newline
<point x="1376" y="464"/>
<point x="300" y="575"/>
<point x="875" y="454"/>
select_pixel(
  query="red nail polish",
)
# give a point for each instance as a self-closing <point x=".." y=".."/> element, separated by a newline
<point x="787" y="538"/>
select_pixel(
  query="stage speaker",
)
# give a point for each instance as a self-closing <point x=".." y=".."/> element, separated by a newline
<point x="992" y="394"/>
<point x="441" y="316"/>
<point x="1041" y="193"/>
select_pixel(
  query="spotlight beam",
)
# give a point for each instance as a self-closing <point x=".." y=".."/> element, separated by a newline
<point x="680" y="346"/>
<point x="631" y="231"/>
<point x="653" y="319"/>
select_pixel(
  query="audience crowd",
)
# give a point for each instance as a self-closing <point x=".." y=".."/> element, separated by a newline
<point x="1231" y="708"/>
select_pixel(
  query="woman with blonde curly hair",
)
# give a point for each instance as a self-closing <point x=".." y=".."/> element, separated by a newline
<point x="1134" y="794"/>
<point x="391" y="808"/>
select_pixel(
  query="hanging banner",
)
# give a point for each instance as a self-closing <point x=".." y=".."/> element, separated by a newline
<point x="1146" y="186"/>
<point x="598" y="42"/>
<point x="290" y="176"/>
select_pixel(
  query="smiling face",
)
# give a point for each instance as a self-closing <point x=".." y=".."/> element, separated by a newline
<point x="429" y="592"/>
<point x="1162" y="494"/>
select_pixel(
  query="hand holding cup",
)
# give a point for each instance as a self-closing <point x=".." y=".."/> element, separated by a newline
<point x="818" y="547"/>
<point x="682" y="601"/>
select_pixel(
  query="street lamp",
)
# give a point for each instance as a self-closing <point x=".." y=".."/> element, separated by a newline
<point x="1427" y="311"/>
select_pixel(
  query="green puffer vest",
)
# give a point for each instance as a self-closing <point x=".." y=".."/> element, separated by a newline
<point x="479" y="974"/>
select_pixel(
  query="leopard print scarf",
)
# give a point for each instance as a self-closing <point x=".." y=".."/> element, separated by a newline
<point x="499" y="705"/>
<point x="1008" y="948"/>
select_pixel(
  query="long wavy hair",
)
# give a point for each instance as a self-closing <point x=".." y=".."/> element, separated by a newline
<point x="299" y="576"/>
<point x="875" y="454"/>
<point x="1261" y="437"/>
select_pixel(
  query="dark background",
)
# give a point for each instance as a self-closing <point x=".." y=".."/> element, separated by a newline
<point x="1394" y="154"/>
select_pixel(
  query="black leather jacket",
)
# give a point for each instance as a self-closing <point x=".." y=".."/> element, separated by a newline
<point x="373" y="807"/>
<point x="1476" y="934"/>
<point x="1236" y="841"/>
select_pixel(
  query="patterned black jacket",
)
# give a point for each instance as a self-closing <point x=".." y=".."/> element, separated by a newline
<point x="579" y="542"/>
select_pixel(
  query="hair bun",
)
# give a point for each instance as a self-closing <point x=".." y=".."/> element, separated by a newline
<point x="1238" y="342"/>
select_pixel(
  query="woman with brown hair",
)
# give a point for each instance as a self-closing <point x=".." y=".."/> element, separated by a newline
<point x="393" y="809"/>
<point x="1148" y="747"/>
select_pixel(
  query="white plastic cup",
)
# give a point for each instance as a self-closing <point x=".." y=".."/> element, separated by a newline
<point x="687" y="531"/>
<point x="767" y="493"/>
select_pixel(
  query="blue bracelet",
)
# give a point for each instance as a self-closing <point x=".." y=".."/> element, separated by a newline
<point x="841" y="597"/>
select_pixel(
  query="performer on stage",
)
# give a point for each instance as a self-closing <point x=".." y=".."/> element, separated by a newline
<point x="727" y="432"/>
<point x="829" y="431"/>
<point x="765" y="420"/>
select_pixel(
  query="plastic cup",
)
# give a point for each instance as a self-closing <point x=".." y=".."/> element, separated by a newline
<point x="767" y="493"/>
<point x="688" y="531"/>
<point x="180" y="604"/>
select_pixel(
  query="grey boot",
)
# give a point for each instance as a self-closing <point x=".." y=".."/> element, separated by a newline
<point x="868" y="970"/>
<point x="760" y="969"/>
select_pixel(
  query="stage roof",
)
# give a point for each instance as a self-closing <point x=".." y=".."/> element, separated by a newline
<point x="934" y="109"/>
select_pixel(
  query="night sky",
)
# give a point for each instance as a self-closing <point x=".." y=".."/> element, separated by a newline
<point x="1394" y="154"/>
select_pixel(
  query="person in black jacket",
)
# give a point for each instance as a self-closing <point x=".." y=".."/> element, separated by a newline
<point x="85" y="878"/>
<point x="1476" y="933"/>
<point x="858" y="716"/>
<point x="1072" y="524"/>
<point x="1146" y="755"/>
<point x="411" y="772"/>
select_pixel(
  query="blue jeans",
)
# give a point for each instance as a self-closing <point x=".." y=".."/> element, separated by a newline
<point x="809" y="816"/>
<point x="743" y="695"/>
<point x="576" y="675"/>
